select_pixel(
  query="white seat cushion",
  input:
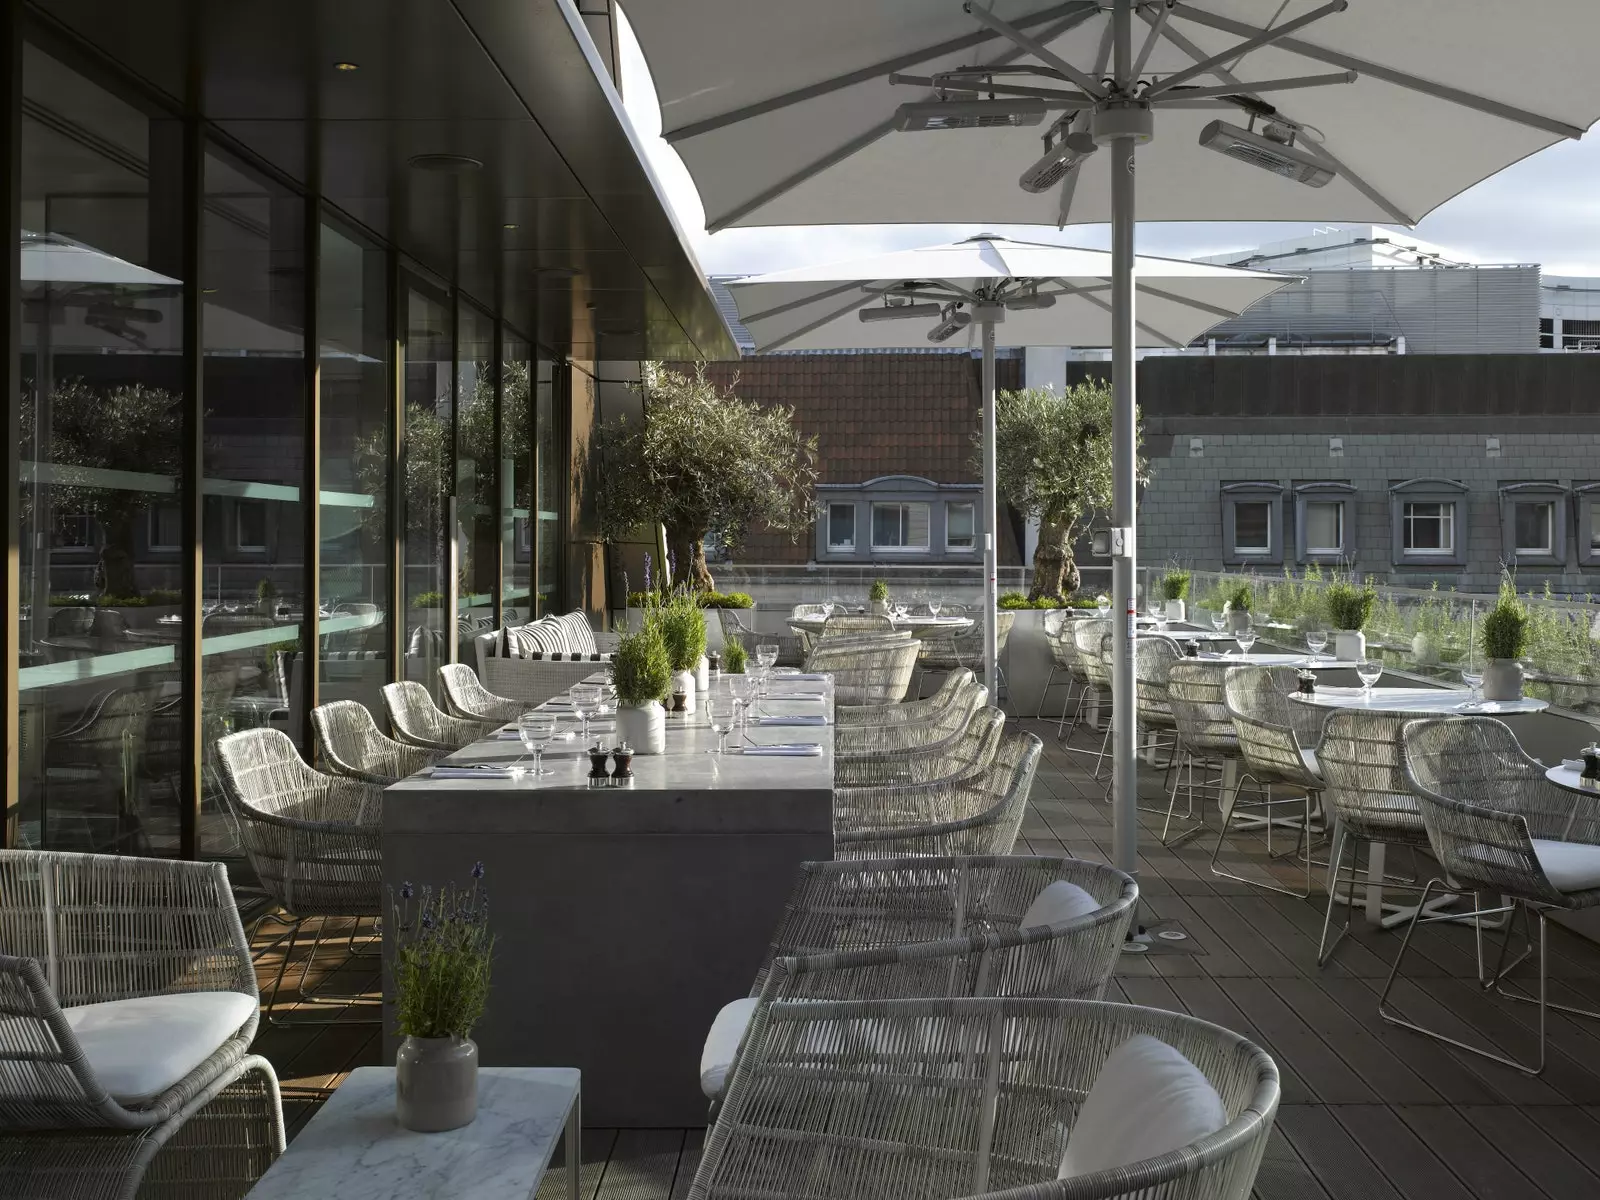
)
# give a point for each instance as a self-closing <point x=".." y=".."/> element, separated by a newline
<point x="1059" y="903"/>
<point x="1570" y="866"/>
<point x="722" y="1044"/>
<point x="1147" y="1099"/>
<point x="139" y="1048"/>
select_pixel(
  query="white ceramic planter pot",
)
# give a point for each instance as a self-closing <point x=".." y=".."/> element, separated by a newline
<point x="683" y="681"/>
<point x="1238" y="622"/>
<point x="1502" y="679"/>
<point x="436" y="1083"/>
<point x="880" y="608"/>
<point x="702" y="675"/>
<point x="643" y="726"/>
<point x="1349" y="645"/>
<point x="1177" y="611"/>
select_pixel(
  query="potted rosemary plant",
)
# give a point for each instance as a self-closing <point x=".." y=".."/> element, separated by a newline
<point x="1175" y="587"/>
<point x="1238" y="608"/>
<point x="443" y="952"/>
<point x="1349" y="609"/>
<point x="879" y="597"/>
<point x="683" y="630"/>
<point x="642" y="676"/>
<point x="1505" y="641"/>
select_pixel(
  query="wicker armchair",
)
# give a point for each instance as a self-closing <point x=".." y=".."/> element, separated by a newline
<point x="1198" y="699"/>
<point x="791" y="646"/>
<point x="1362" y="762"/>
<point x="964" y="1097"/>
<point x="930" y="733"/>
<point x="964" y="750"/>
<point x="909" y="712"/>
<point x="980" y="813"/>
<point x="465" y="697"/>
<point x="845" y="624"/>
<point x="1063" y="661"/>
<point x="900" y="928"/>
<point x="1090" y="639"/>
<point x="1277" y="740"/>
<point x="878" y="673"/>
<point x="127" y="1007"/>
<point x="966" y="649"/>
<point x="418" y="721"/>
<point x="313" y="841"/>
<point x="351" y="744"/>
<point x="1497" y="825"/>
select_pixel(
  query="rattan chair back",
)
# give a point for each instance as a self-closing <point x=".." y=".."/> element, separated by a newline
<point x="1152" y="660"/>
<point x="465" y="696"/>
<point x="1262" y="714"/>
<point x="1199" y="702"/>
<point x="351" y="744"/>
<point x="418" y="721"/>
<point x="848" y="623"/>
<point x="871" y="673"/>
<point x="1362" y="760"/>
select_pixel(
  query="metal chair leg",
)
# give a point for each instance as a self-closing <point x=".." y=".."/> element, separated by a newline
<point x="269" y="1005"/>
<point x="1048" y="681"/>
<point x="1342" y="838"/>
<point x="1223" y="873"/>
<point x="1536" y="1067"/>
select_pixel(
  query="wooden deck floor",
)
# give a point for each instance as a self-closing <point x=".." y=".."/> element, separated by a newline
<point x="1369" y="1112"/>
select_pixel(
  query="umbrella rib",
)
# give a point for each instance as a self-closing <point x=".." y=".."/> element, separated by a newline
<point x="1256" y="39"/>
<point x="1291" y="84"/>
<point x="805" y="329"/>
<point x="1069" y="187"/>
<point x="1076" y="9"/>
<point x="794" y="304"/>
<point x="1494" y="108"/>
<point x="1317" y="149"/>
<point x="863" y="140"/>
<point x="1036" y="48"/>
<point x="1160" y="294"/>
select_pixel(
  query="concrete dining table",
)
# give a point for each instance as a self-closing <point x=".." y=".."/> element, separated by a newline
<point x="922" y="627"/>
<point x="625" y="916"/>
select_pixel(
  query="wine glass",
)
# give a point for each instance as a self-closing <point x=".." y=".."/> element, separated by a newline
<point x="1472" y="676"/>
<point x="722" y="714"/>
<point x="1317" y="642"/>
<point x="585" y="699"/>
<point x="767" y="654"/>
<point x="1246" y="638"/>
<point x="1102" y="605"/>
<point x="935" y="603"/>
<point x="536" y="730"/>
<point x="1219" y="620"/>
<point x="743" y="690"/>
<point x="1369" y="671"/>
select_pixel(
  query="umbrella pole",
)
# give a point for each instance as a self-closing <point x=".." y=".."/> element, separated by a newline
<point x="1124" y="751"/>
<point x="991" y="529"/>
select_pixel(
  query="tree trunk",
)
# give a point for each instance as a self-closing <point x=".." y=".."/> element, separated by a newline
<point x="1055" y="574"/>
<point x="116" y="555"/>
<point x="689" y="559"/>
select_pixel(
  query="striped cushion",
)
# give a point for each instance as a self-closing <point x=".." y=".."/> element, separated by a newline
<point x="544" y="636"/>
<point x="580" y="638"/>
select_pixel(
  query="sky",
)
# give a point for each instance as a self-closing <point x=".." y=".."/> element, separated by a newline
<point x="1545" y="209"/>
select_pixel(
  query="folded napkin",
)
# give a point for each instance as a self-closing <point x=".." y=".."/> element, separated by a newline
<point x="1572" y="764"/>
<point x="469" y="772"/>
<point x="819" y="696"/>
<point x="817" y="719"/>
<point x="813" y="677"/>
<point x="789" y="750"/>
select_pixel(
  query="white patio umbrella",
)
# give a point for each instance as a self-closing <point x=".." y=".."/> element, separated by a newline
<point x="1044" y="295"/>
<point x="1355" y="110"/>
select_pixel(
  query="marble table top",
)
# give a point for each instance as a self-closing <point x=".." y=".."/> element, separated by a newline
<point x="1571" y="779"/>
<point x="1420" y="702"/>
<point x="352" y="1149"/>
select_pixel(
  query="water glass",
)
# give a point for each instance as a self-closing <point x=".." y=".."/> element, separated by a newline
<point x="585" y="699"/>
<point x="767" y="654"/>
<point x="1219" y="620"/>
<point x="722" y="714"/>
<point x="536" y="730"/>
<point x="1369" y="671"/>
<point x="1472" y="676"/>
<point x="1246" y="638"/>
<point x="1316" y="642"/>
<point x="935" y="603"/>
<point x="1102" y="605"/>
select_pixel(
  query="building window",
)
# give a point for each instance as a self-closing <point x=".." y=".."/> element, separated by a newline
<point x="900" y="527"/>
<point x="1429" y="528"/>
<point x="1324" y="527"/>
<point x="1533" y="527"/>
<point x="960" y="526"/>
<point x="1324" y="520"/>
<point x="842" y="528"/>
<point x="166" y="528"/>
<point x="1587" y="505"/>
<point x="1547" y="332"/>
<point x="1428" y="522"/>
<point x="250" y="525"/>
<point x="1534" y="524"/>
<point x="1252" y="522"/>
<point x="73" y="531"/>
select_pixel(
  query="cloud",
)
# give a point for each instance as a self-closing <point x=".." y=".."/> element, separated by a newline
<point x="1545" y="209"/>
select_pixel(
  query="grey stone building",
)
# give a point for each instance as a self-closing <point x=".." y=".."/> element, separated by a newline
<point x="1409" y="469"/>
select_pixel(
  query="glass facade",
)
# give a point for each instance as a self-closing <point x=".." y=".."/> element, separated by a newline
<point x="178" y="579"/>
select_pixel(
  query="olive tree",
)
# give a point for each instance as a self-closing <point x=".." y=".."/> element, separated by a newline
<point x="702" y="462"/>
<point x="1053" y="454"/>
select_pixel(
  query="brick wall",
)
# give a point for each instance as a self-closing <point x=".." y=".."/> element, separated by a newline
<point x="872" y="415"/>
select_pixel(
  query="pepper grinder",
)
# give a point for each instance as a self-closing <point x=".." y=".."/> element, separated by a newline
<point x="622" y="755"/>
<point x="598" y="775"/>
<point x="1591" y="761"/>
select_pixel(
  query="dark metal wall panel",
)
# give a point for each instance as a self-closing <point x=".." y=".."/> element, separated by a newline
<point x="11" y="434"/>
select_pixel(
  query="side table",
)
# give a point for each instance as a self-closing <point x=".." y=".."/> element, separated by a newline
<point x="353" y="1149"/>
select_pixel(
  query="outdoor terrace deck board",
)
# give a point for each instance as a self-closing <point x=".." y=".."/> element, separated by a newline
<point x="1370" y="1112"/>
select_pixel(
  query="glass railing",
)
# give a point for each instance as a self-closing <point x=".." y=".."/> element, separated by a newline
<point x="1428" y="632"/>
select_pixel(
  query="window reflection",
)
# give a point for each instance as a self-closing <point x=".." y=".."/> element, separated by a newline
<point x="426" y="482"/>
<point x="102" y="417"/>
<point x="477" y="530"/>
<point x="516" y="479"/>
